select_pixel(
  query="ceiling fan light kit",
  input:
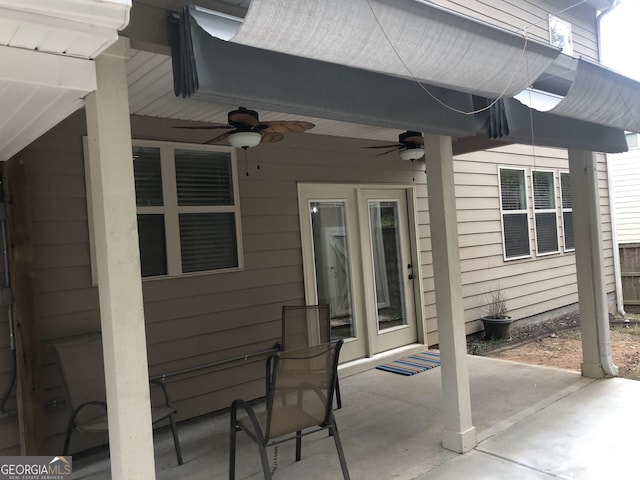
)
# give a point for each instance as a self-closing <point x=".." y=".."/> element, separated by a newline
<point x="412" y="153"/>
<point x="244" y="139"/>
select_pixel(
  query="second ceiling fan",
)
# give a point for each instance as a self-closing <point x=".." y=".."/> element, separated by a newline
<point x="410" y="146"/>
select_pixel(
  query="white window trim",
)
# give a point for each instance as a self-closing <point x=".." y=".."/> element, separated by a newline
<point x="562" y="212"/>
<point x="545" y="210"/>
<point x="508" y="212"/>
<point x="171" y="210"/>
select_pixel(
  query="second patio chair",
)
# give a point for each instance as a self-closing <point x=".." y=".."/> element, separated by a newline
<point x="307" y="325"/>
<point x="82" y="366"/>
<point x="299" y="402"/>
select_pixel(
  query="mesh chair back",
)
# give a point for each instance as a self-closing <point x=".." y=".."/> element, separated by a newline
<point x="305" y="325"/>
<point x="82" y="367"/>
<point x="302" y="388"/>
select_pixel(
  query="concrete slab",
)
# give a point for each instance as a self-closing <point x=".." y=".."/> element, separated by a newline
<point x="533" y="423"/>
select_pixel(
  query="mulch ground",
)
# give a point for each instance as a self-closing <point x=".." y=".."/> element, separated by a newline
<point x="557" y="343"/>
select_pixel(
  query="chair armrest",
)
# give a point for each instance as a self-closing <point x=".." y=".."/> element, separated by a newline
<point x="165" y="391"/>
<point x="90" y="403"/>
<point x="244" y="405"/>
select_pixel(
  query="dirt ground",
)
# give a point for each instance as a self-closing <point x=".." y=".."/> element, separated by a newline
<point x="557" y="343"/>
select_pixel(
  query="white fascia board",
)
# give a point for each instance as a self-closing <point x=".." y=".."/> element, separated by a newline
<point x="113" y="14"/>
<point x="38" y="68"/>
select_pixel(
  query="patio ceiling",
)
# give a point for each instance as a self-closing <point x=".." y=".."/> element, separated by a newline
<point x="46" y="47"/>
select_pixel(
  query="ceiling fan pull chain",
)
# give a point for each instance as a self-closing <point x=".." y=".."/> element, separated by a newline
<point x="246" y="164"/>
<point x="258" y="158"/>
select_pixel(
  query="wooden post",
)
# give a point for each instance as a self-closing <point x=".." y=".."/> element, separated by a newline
<point x="31" y="418"/>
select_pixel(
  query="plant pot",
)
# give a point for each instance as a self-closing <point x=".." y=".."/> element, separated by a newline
<point x="496" y="328"/>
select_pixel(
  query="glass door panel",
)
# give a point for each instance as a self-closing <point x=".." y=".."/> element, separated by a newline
<point x="333" y="264"/>
<point x="387" y="265"/>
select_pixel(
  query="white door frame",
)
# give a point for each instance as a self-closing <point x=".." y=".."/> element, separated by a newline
<point x="326" y="191"/>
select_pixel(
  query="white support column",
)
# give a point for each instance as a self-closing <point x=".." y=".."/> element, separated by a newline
<point x="118" y="264"/>
<point x="459" y="433"/>
<point x="592" y="294"/>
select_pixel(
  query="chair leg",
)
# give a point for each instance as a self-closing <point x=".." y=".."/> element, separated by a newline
<point x="232" y="444"/>
<point x="336" y="439"/>
<point x="176" y="440"/>
<point x="338" y="397"/>
<point x="266" y="469"/>
<point x="67" y="438"/>
<point x="298" y="445"/>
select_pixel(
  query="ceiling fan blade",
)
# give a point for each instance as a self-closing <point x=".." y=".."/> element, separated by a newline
<point x="285" y="126"/>
<point x="218" y="139"/>
<point x="269" y="137"/>
<point x="205" y="127"/>
<point x="392" y="145"/>
<point x="389" y="151"/>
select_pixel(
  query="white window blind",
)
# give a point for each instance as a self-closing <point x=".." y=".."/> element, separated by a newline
<point x="545" y="214"/>
<point x="514" y="212"/>
<point x="567" y="211"/>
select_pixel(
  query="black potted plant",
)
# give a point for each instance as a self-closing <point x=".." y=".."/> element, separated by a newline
<point x="496" y="321"/>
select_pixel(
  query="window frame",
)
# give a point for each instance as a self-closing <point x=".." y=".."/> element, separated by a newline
<point x="503" y="212"/>
<point x="564" y="210"/>
<point x="171" y="210"/>
<point x="554" y="210"/>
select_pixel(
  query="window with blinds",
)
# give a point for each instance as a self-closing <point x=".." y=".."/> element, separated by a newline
<point x="515" y="213"/>
<point x="188" y="208"/>
<point x="545" y="213"/>
<point x="567" y="211"/>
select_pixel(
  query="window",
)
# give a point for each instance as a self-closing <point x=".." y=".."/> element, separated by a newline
<point x="545" y="214"/>
<point x="514" y="211"/>
<point x="560" y="34"/>
<point x="188" y="209"/>
<point x="567" y="211"/>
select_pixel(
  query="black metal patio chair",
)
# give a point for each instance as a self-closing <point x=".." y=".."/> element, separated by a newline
<point x="299" y="402"/>
<point x="82" y="366"/>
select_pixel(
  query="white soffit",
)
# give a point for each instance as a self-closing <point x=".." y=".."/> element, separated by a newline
<point x="81" y="28"/>
<point x="417" y="40"/>
<point x="38" y="90"/>
<point x="46" y="47"/>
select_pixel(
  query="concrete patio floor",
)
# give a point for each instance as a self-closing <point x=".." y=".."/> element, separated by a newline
<point x="532" y="422"/>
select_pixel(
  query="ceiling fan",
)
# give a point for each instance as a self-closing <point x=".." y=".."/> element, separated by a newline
<point x="410" y="146"/>
<point x="246" y="130"/>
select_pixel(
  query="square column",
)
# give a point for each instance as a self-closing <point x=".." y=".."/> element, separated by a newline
<point x="590" y="269"/>
<point x="118" y="263"/>
<point x="459" y="433"/>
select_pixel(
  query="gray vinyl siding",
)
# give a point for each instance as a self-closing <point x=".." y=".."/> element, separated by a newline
<point x="514" y="15"/>
<point x="532" y="285"/>
<point x="625" y="180"/>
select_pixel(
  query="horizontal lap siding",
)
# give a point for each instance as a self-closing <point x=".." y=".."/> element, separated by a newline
<point x="515" y="15"/>
<point x="532" y="285"/>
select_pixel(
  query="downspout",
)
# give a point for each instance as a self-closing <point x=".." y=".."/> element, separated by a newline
<point x="599" y="18"/>
<point x="612" y="203"/>
<point x="614" y="238"/>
